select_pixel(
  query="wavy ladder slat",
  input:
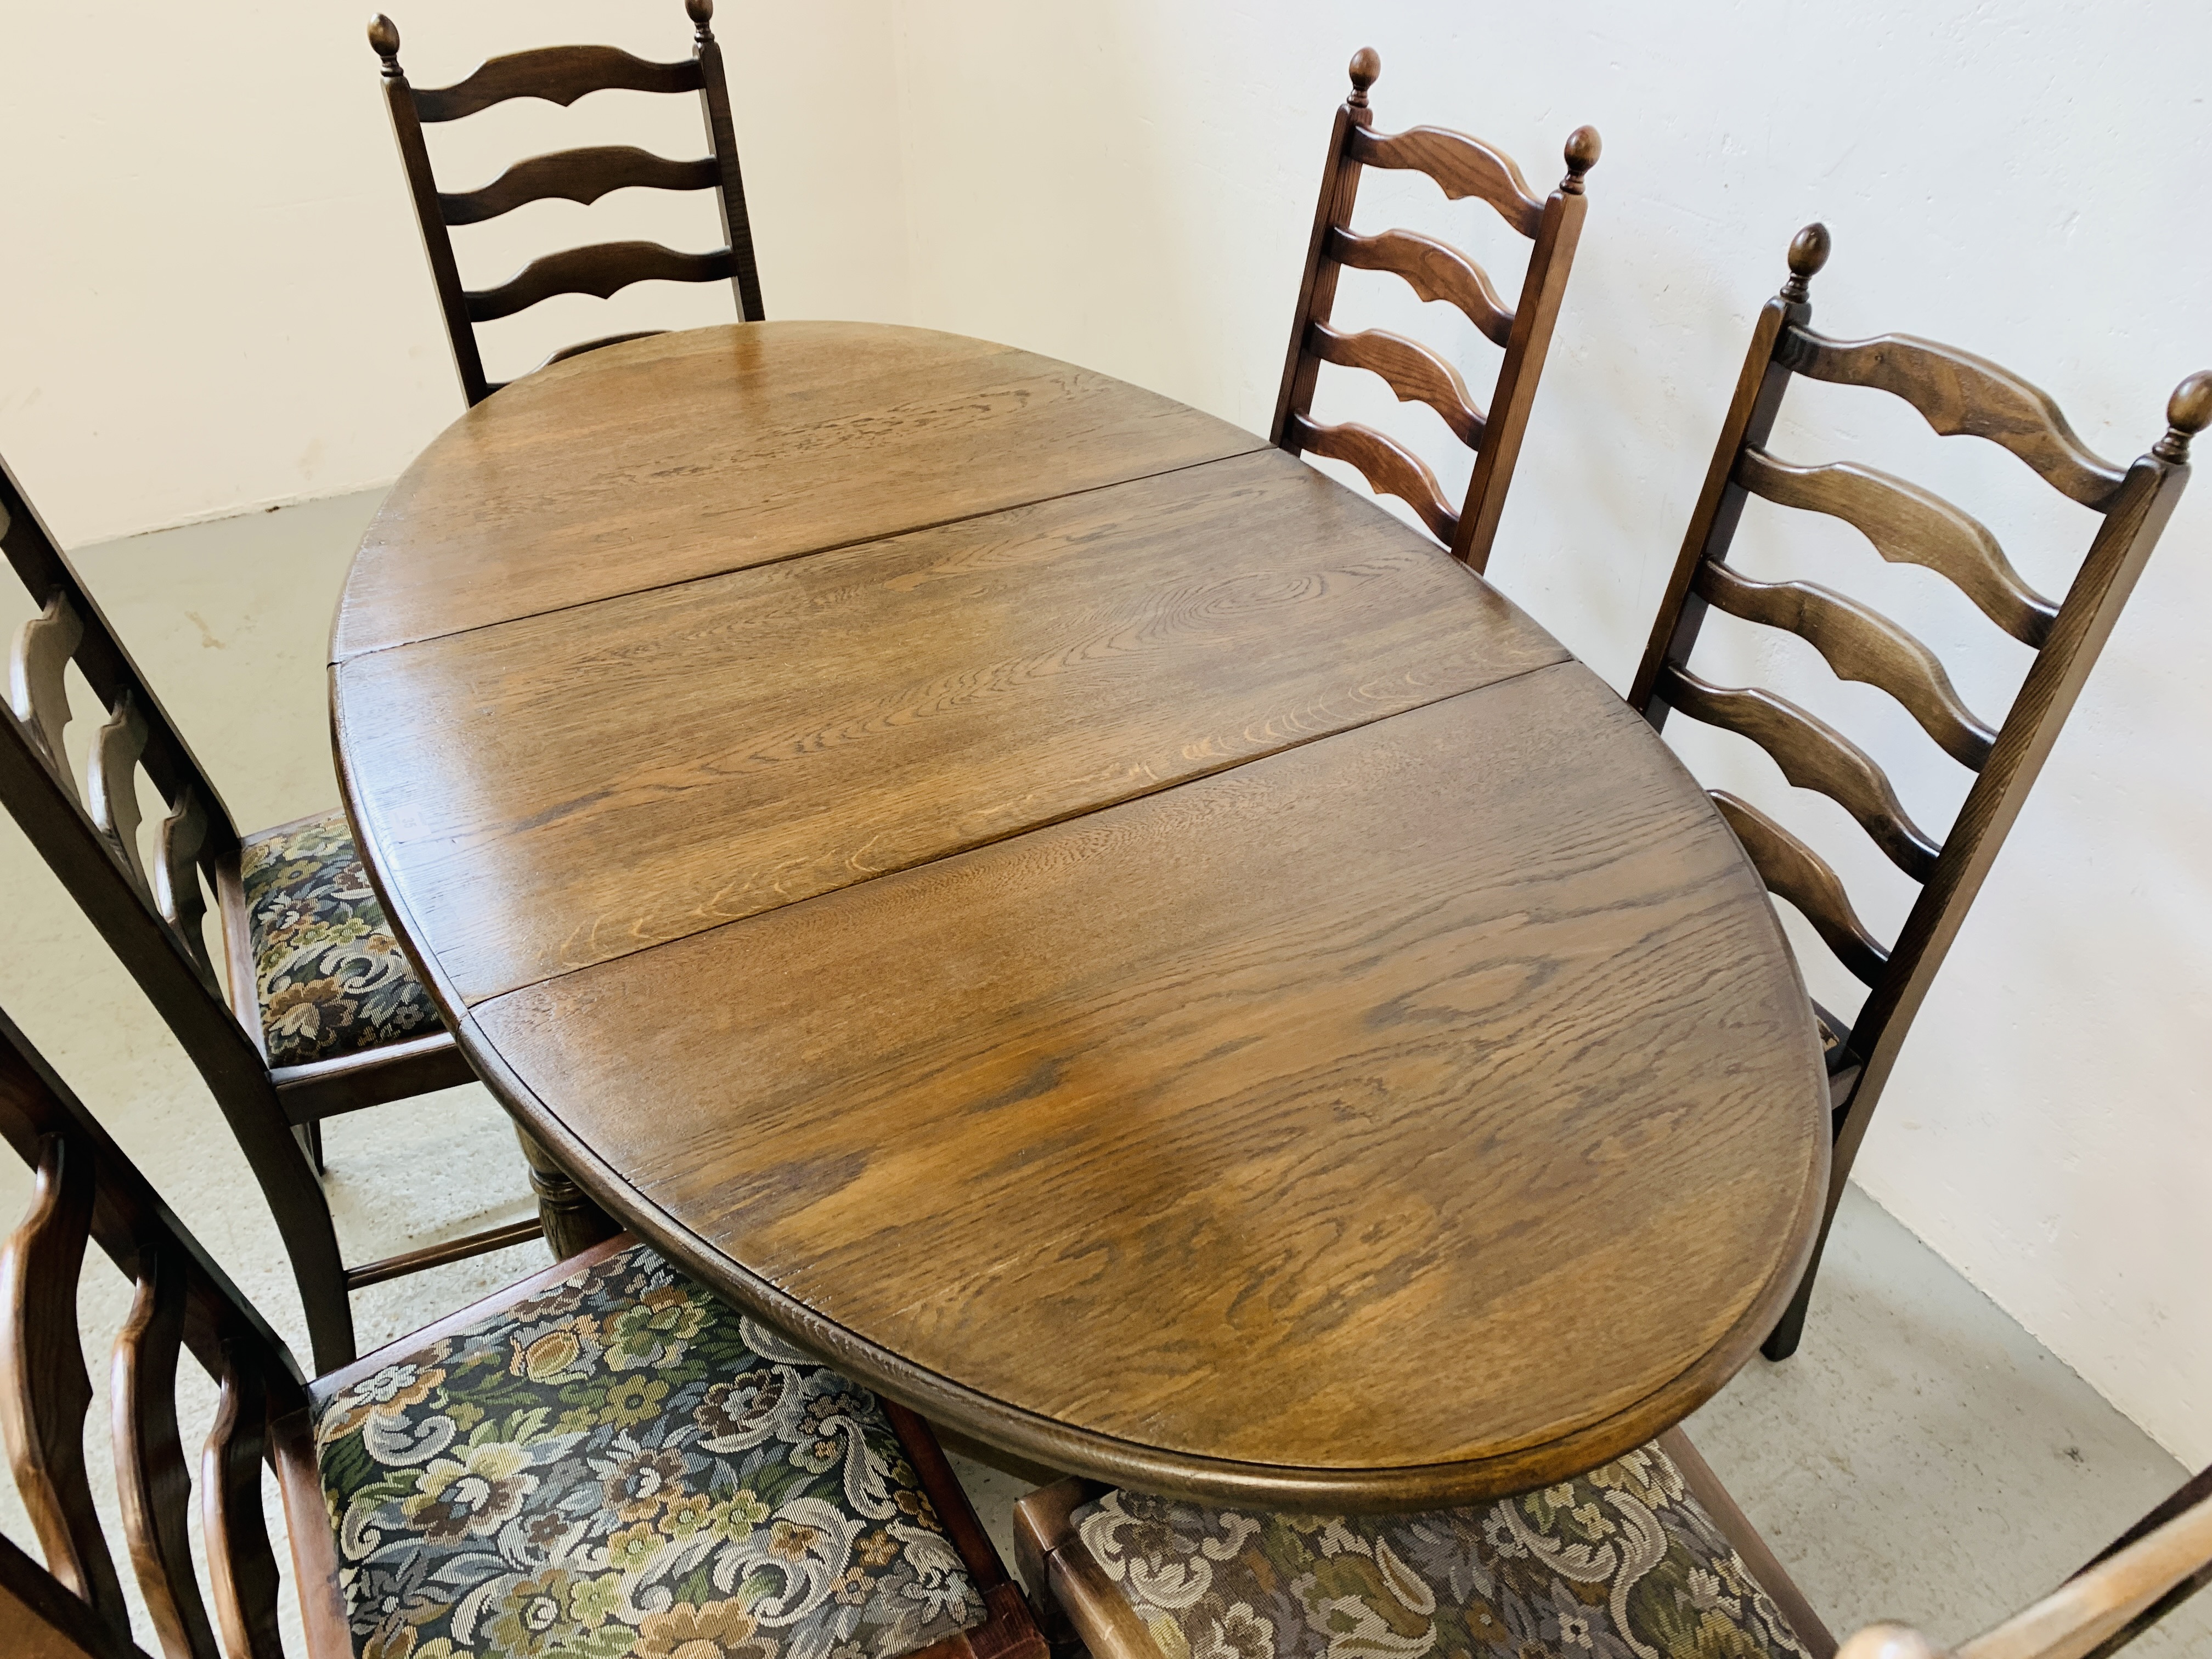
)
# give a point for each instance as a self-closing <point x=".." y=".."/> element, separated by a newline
<point x="1461" y="166"/>
<point x="1796" y="873"/>
<point x="1388" y="465"/>
<point x="577" y="175"/>
<point x="1859" y="645"/>
<point x="1433" y="270"/>
<point x="1813" y="755"/>
<point x="37" y="660"/>
<point x="603" y="269"/>
<point x="242" y="1576"/>
<point x="1959" y="393"/>
<point x="1908" y="524"/>
<point x="45" y="1393"/>
<point x="1410" y="370"/>
<point x="111" y="787"/>
<point x="559" y="75"/>
<point x="150" y="1472"/>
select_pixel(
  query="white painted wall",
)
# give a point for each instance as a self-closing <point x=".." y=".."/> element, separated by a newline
<point x="214" y="290"/>
<point x="215" y="300"/>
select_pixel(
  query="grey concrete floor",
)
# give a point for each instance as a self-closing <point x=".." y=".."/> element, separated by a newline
<point x="1922" y="1457"/>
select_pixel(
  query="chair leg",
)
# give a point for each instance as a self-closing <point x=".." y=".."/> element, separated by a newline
<point x="1789" y="1330"/>
<point x="302" y="1213"/>
<point x="1850" y="1129"/>
<point x="572" y="1221"/>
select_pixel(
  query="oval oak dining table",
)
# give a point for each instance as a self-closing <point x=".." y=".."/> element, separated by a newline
<point x="1092" y="926"/>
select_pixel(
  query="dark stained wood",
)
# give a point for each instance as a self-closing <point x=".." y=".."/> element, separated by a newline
<point x="400" y="104"/>
<point x="151" y="911"/>
<point x="1154" y="1129"/>
<point x="350" y="1082"/>
<point x="559" y="75"/>
<point x="1410" y="370"/>
<point x="1462" y="167"/>
<point x="37" y="660"/>
<point x="722" y="145"/>
<point x="242" y="1567"/>
<point x="562" y="74"/>
<point x="1388" y="466"/>
<point x="87" y="1190"/>
<point x="571" y="1222"/>
<point x="602" y="269"/>
<point x="1339" y="187"/>
<point x="1861" y="646"/>
<point x="1433" y="270"/>
<point x="1794" y="870"/>
<point x="45" y="1621"/>
<point x="1543" y="290"/>
<point x="759" y="444"/>
<point x="1956" y="393"/>
<point x="111" y="788"/>
<point x="1720" y="504"/>
<point x="438" y="1255"/>
<point x="616" y="785"/>
<point x="45" y="1394"/>
<point x="1908" y="524"/>
<point x="1813" y="755"/>
<point x="577" y="175"/>
<point x="154" y="1480"/>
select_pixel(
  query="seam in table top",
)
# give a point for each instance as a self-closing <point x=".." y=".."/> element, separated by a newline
<point x="1258" y="446"/>
<point x="1566" y="658"/>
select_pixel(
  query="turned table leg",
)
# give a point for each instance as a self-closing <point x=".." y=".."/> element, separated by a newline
<point x="573" y="1222"/>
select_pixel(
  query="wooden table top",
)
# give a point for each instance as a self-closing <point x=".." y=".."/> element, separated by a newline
<point x="1095" y="929"/>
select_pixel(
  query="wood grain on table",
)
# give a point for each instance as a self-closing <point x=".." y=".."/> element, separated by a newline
<point x="1256" y="1119"/>
<point x="1103" y="933"/>
<point x="682" y="463"/>
<point x="592" y="782"/>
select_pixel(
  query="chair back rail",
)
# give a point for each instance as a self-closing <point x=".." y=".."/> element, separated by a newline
<point x="150" y="913"/>
<point x="1956" y="394"/>
<point x="562" y="74"/>
<point x="2160" y="1563"/>
<point x="87" y="1190"/>
<point x="1461" y="167"/>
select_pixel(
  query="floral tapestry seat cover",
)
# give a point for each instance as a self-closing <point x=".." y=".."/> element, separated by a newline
<point x="1621" y="1562"/>
<point x="331" y="977"/>
<point x="621" y="1464"/>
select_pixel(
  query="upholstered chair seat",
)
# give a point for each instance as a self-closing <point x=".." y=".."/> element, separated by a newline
<point x="1621" y="1562"/>
<point x="618" y="1464"/>
<point x="328" y="971"/>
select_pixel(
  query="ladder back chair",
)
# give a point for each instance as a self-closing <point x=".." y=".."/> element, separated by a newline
<point x="601" y="1458"/>
<point x="1462" y="167"/>
<point x="562" y="74"/>
<point x="1955" y="393"/>
<point x="309" y="1008"/>
<point x="1647" y="1554"/>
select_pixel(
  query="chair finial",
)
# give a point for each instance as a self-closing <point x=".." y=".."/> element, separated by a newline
<point x="702" y="13"/>
<point x="1808" y="252"/>
<point x="1582" y="149"/>
<point x="2188" y="412"/>
<point x="384" y="35"/>
<point x="1366" y="69"/>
